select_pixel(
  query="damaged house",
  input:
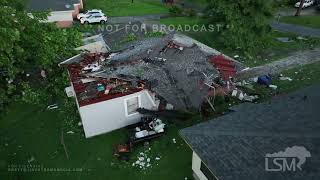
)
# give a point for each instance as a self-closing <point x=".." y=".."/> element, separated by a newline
<point x="170" y="72"/>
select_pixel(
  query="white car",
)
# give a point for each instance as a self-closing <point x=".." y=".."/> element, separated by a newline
<point x="97" y="18"/>
<point x="307" y="3"/>
<point x="89" y="13"/>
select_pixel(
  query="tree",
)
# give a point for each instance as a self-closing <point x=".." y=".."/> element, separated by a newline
<point x="246" y="22"/>
<point x="300" y="8"/>
<point x="29" y="53"/>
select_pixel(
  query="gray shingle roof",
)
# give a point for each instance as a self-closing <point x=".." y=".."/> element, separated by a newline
<point x="54" y="5"/>
<point x="234" y="146"/>
<point x="177" y="78"/>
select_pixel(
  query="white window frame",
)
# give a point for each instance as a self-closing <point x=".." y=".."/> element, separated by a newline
<point x="126" y="106"/>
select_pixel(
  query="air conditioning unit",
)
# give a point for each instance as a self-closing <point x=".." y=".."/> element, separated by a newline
<point x="69" y="91"/>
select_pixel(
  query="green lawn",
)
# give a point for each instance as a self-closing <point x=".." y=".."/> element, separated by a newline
<point x="311" y="21"/>
<point x="182" y="21"/>
<point x="302" y="76"/>
<point x="27" y="132"/>
<point x="126" y="8"/>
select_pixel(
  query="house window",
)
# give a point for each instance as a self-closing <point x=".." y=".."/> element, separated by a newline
<point x="207" y="172"/>
<point x="132" y="105"/>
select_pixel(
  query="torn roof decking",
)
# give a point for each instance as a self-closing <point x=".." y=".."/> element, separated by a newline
<point x="86" y="88"/>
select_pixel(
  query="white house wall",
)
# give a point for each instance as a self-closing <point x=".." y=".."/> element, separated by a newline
<point x="110" y="115"/>
<point x="196" y="164"/>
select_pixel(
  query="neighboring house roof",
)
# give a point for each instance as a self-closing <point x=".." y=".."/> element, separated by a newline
<point x="54" y="5"/>
<point x="234" y="146"/>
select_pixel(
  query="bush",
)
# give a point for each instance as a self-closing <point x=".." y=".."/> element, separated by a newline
<point x="176" y="10"/>
<point x="129" y="38"/>
<point x="190" y="12"/>
<point x="155" y="34"/>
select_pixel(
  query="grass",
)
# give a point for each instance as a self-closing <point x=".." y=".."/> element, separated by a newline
<point x="28" y="132"/>
<point x="126" y="8"/>
<point x="278" y="50"/>
<point x="182" y="21"/>
<point x="310" y="21"/>
<point x="302" y="76"/>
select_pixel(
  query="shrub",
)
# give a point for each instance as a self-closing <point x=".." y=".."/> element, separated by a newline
<point x="176" y="10"/>
<point x="190" y="12"/>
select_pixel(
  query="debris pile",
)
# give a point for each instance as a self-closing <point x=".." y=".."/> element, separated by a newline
<point x="243" y="96"/>
<point x="284" y="78"/>
<point x="145" y="160"/>
<point x="171" y="67"/>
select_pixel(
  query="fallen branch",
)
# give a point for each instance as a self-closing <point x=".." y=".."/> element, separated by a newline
<point x="64" y="145"/>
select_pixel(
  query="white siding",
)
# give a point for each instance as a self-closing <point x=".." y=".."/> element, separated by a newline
<point x="110" y="115"/>
<point x="196" y="164"/>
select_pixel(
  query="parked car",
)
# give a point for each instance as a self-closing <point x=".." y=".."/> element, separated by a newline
<point x="89" y="13"/>
<point x="96" y="18"/>
<point x="307" y="3"/>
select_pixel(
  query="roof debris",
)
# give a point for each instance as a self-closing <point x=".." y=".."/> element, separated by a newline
<point x="178" y="70"/>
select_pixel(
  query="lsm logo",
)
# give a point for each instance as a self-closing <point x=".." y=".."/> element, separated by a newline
<point x="291" y="159"/>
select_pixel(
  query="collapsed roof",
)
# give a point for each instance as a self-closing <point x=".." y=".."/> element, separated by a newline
<point x="175" y="67"/>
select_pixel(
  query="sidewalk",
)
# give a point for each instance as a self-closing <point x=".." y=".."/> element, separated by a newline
<point x="299" y="59"/>
<point x="297" y="29"/>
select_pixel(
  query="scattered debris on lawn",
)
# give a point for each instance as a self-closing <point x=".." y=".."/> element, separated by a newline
<point x="31" y="159"/>
<point x="301" y="38"/>
<point x="52" y="107"/>
<point x="54" y="154"/>
<point x="174" y="140"/>
<point x="243" y="96"/>
<point x="70" y="132"/>
<point x="284" y="39"/>
<point x="274" y="87"/>
<point x="264" y="80"/>
<point x="283" y="78"/>
<point x="145" y="160"/>
<point x="80" y="123"/>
